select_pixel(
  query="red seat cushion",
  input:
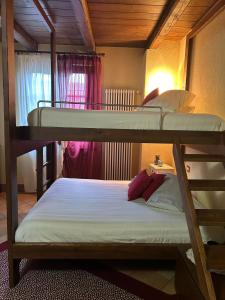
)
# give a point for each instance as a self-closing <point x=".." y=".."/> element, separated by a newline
<point x="151" y="96"/>
<point x="138" y="185"/>
<point x="157" y="180"/>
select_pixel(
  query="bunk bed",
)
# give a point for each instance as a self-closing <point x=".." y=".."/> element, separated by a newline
<point x="20" y="140"/>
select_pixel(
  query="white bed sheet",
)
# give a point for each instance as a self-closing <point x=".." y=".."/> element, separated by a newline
<point x="81" y="210"/>
<point x="55" y="117"/>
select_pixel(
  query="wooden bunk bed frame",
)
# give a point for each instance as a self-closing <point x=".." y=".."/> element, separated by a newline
<point x="20" y="140"/>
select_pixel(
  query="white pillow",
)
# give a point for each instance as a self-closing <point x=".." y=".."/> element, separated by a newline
<point x="172" y="100"/>
<point x="168" y="196"/>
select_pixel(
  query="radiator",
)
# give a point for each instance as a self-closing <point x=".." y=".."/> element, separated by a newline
<point x="118" y="156"/>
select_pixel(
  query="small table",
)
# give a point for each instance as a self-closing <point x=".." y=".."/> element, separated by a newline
<point x="161" y="170"/>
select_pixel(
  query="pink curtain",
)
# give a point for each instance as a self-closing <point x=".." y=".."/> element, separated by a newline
<point x="79" y="80"/>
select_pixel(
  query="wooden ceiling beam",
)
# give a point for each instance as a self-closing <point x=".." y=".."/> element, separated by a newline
<point x="82" y="16"/>
<point x="44" y="16"/>
<point x="22" y="37"/>
<point x="49" y="11"/>
<point x="210" y="14"/>
<point x="169" y="16"/>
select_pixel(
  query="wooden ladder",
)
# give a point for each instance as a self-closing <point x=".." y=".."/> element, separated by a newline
<point x="206" y="257"/>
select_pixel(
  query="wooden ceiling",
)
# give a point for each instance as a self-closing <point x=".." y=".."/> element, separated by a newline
<point x="127" y="23"/>
<point x="61" y="14"/>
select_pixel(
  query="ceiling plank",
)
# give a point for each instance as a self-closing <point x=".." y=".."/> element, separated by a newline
<point x="44" y="16"/>
<point x="82" y="16"/>
<point x="169" y="16"/>
<point x="22" y="37"/>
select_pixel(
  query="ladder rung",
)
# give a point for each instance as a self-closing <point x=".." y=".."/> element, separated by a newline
<point x="211" y="217"/>
<point x="215" y="257"/>
<point x="204" y="158"/>
<point x="206" y="185"/>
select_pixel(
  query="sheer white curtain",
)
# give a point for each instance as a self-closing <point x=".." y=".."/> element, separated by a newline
<point x="33" y="83"/>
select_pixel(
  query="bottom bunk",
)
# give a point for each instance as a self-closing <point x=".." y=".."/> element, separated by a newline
<point x="80" y="218"/>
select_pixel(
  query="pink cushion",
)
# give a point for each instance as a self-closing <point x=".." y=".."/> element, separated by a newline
<point x="157" y="180"/>
<point x="151" y="96"/>
<point x="138" y="185"/>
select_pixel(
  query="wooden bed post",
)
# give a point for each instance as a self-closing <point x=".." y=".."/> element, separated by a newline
<point x="10" y="126"/>
<point x="51" y="151"/>
<point x="51" y="148"/>
<point x="39" y="170"/>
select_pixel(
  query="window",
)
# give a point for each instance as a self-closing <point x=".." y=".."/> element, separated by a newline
<point x="41" y="87"/>
<point x="77" y="91"/>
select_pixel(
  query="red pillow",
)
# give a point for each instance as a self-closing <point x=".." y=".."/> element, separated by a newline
<point x="151" y="96"/>
<point x="138" y="185"/>
<point x="157" y="180"/>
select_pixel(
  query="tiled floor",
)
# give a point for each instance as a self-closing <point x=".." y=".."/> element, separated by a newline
<point x="158" y="276"/>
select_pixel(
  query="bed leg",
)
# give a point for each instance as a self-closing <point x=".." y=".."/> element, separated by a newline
<point x="14" y="272"/>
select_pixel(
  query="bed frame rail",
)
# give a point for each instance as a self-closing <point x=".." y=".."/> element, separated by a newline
<point x="98" y="251"/>
<point x="120" y="135"/>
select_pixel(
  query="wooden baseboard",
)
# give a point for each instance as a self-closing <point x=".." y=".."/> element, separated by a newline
<point x="20" y="188"/>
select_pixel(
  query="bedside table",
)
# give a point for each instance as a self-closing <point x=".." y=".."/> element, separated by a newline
<point x="160" y="170"/>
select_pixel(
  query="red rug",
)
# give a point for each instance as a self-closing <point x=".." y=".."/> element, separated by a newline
<point x="69" y="279"/>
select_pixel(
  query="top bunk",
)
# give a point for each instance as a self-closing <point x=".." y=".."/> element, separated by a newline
<point x="162" y="120"/>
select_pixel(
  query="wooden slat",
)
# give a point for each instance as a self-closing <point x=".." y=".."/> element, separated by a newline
<point x="204" y="158"/>
<point x="211" y="217"/>
<point x="122" y="22"/>
<point x="127" y="8"/>
<point x="206" y="185"/>
<point x="160" y="25"/>
<point x="81" y="13"/>
<point x="120" y="43"/>
<point x="22" y="37"/>
<point x="130" y="2"/>
<point x="215" y="257"/>
<point x="204" y="277"/>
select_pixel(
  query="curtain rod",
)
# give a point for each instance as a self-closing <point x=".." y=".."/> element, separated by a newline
<point x="48" y="52"/>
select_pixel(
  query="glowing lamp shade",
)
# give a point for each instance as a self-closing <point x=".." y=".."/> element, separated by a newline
<point x="161" y="79"/>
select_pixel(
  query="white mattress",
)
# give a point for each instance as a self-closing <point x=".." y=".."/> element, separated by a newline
<point x="59" y="117"/>
<point x="81" y="210"/>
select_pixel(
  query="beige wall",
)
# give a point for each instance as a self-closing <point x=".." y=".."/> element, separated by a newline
<point x="123" y="68"/>
<point x="208" y="68"/>
<point x="208" y="84"/>
<point x="164" y="70"/>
